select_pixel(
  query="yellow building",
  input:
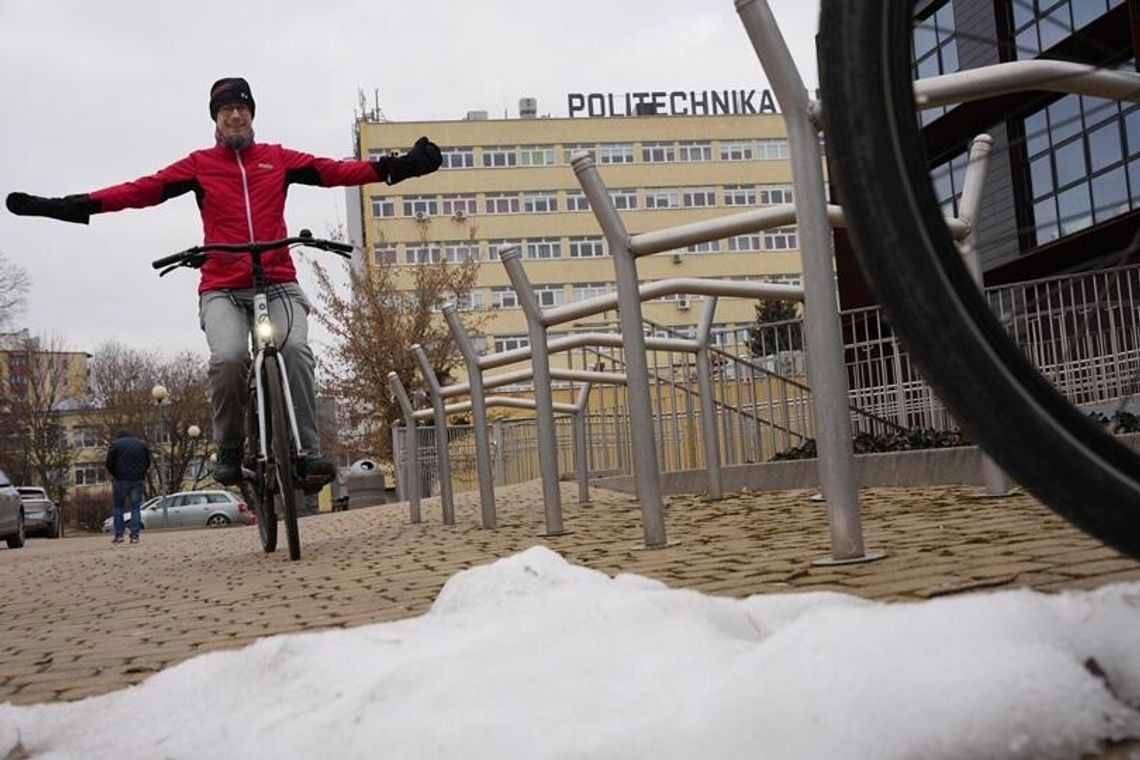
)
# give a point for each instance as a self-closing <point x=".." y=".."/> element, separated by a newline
<point x="508" y="182"/>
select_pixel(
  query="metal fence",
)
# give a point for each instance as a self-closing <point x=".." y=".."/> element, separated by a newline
<point x="1082" y="332"/>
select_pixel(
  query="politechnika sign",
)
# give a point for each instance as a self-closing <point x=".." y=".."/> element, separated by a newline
<point x="674" y="103"/>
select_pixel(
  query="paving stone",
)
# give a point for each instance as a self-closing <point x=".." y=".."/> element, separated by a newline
<point x="85" y="631"/>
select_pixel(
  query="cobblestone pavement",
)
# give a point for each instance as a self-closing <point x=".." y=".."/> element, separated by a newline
<point x="81" y="617"/>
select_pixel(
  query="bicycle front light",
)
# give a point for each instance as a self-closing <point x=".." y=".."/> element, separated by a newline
<point x="265" y="330"/>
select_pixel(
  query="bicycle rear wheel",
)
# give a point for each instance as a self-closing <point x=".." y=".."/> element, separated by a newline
<point x="281" y="469"/>
<point x="905" y="251"/>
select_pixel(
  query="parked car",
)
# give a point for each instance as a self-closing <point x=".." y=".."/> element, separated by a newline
<point x="192" y="509"/>
<point x="109" y="523"/>
<point x="11" y="513"/>
<point x="41" y="516"/>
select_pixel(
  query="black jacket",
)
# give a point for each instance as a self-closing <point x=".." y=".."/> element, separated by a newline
<point x="128" y="457"/>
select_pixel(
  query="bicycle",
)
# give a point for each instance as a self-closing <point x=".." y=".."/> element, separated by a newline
<point x="879" y="165"/>
<point x="270" y="421"/>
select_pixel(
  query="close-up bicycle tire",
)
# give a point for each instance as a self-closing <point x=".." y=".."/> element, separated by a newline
<point x="280" y="440"/>
<point x="905" y="252"/>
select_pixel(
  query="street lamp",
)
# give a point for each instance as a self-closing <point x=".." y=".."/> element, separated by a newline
<point x="158" y="393"/>
<point x="194" y="431"/>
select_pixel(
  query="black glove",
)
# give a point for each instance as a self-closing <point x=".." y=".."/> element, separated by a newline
<point x="72" y="208"/>
<point x="423" y="158"/>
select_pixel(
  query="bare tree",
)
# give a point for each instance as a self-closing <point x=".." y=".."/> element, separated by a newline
<point x="34" y="447"/>
<point x="122" y="380"/>
<point x="14" y="285"/>
<point x="374" y="326"/>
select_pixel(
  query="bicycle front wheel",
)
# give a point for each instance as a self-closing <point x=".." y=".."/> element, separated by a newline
<point x="903" y="247"/>
<point x="281" y="438"/>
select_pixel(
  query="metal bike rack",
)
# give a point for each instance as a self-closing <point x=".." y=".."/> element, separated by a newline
<point x="443" y="461"/>
<point x="412" y="467"/>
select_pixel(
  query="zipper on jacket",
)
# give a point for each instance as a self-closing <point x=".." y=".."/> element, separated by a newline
<point x="245" y="192"/>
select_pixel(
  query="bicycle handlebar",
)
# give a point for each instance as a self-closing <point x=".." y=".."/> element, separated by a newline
<point x="196" y="256"/>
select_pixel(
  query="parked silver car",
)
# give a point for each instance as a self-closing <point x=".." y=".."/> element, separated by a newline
<point x="11" y="513"/>
<point x="191" y="509"/>
<point x="41" y="516"/>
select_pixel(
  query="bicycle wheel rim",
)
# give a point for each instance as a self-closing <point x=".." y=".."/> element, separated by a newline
<point x="904" y="250"/>
<point x="282" y="456"/>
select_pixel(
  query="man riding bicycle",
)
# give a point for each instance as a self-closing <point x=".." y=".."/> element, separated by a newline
<point x="240" y="187"/>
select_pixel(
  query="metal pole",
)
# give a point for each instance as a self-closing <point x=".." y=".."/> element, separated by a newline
<point x="411" y="447"/>
<point x="969" y="207"/>
<point x="646" y="470"/>
<point x="543" y="396"/>
<point x="821" y="311"/>
<point x="500" y="468"/>
<point x="708" y="403"/>
<point x="443" y="458"/>
<point x="581" y="465"/>
<point x="479" y="416"/>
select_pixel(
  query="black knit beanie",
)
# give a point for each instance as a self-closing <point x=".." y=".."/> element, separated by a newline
<point x="230" y="91"/>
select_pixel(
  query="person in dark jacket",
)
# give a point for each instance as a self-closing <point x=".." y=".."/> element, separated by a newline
<point x="128" y="459"/>
<point x="240" y="187"/>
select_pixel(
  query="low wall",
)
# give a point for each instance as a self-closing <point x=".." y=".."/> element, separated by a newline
<point x="961" y="465"/>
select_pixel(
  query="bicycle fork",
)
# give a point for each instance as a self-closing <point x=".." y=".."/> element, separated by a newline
<point x="266" y="347"/>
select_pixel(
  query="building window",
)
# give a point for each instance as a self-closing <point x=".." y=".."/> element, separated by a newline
<point x="624" y="199"/>
<point x="543" y="248"/>
<point x="698" y="197"/>
<point x="458" y="251"/>
<point x="423" y="253"/>
<point x="494" y="247"/>
<point x="548" y="295"/>
<point x="85" y="438"/>
<point x="457" y="158"/>
<point x="576" y="201"/>
<point x="711" y="246"/>
<point x="934" y="50"/>
<point x="1041" y="25"/>
<point x="504" y="298"/>
<point x="500" y="156"/>
<point x="663" y="197"/>
<point x="469" y="301"/>
<point x="585" y="290"/>
<point x="384" y="253"/>
<point x="769" y="195"/>
<point x="540" y="202"/>
<point x="382" y="207"/>
<point x="536" y="155"/>
<point x="740" y="195"/>
<point x="502" y="203"/>
<point x="587" y="247"/>
<point x="736" y="150"/>
<point x="658" y="153"/>
<point x="947" y="179"/>
<point x="459" y="205"/>
<point x="504" y="343"/>
<point x="744" y="243"/>
<point x="421" y="205"/>
<point x="694" y="151"/>
<point x="782" y="239"/>
<point x="1082" y="156"/>
<point x="90" y="475"/>
<point x="569" y="151"/>
<point x="615" y="153"/>
<point x="773" y="149"/>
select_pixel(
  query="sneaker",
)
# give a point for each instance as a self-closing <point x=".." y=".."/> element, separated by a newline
<point x="118" y="539"/>
<point x="134" y="538"/>
<point x="316" y="472"/>
<point x="227" y="470"/>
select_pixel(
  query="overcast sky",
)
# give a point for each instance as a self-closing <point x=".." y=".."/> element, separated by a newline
<point x="101" y="93"/>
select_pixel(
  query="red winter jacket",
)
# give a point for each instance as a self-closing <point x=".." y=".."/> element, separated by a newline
<point x="241" y="195"/>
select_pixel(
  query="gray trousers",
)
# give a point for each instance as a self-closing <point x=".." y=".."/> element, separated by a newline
<point x="224" y="316"/>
